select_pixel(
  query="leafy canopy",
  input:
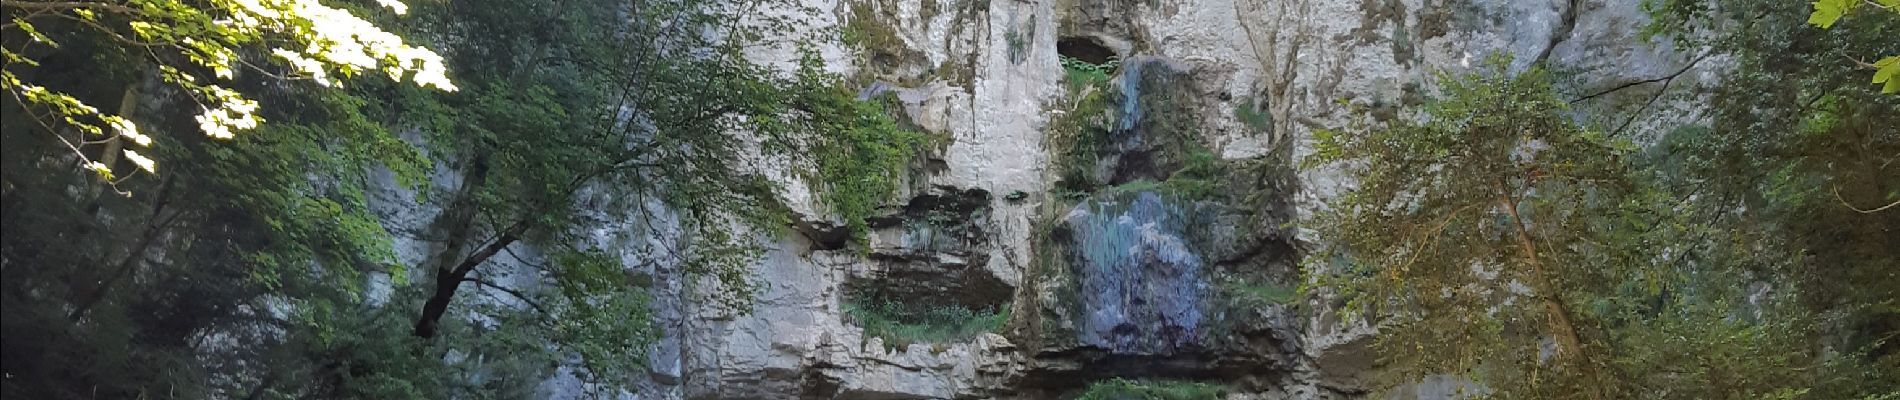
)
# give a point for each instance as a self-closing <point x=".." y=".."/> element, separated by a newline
<point x="575" y="113"/>
<point x="1459" y="224"/>
<point x="1494" y="238"/>
<point x="1828" y="12"/>
<point x="198" y="47"/>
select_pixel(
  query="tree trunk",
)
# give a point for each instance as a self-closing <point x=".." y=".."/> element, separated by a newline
<point x="128" y="104"/>
<point x="1569" y="343"/>
<point x="446" y="282"/>
<point x="459" y="221"/>
<point x="155" y="225"/>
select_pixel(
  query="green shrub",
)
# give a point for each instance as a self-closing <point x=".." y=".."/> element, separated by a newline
<point x="1194" y="181"/>
<point x="864" y="149"/>
<point x="1141" y="185"/>
<point x="1084" y="72"/>
<point x="865" y="30"/>
<point x="1262" y="292"/>
<point x="1080" y="124"/>
<point x="1249" y="113"/>
<point x="1124" y="389"/>
<point x="902" y="324"/>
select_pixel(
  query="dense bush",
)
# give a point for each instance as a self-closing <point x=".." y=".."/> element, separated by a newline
<point x="901" y="324"/>
<point x="1123" y="389"/>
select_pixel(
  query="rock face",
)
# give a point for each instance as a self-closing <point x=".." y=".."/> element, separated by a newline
<point x="1141" y="263"/>
<point x="1141" y="287"/>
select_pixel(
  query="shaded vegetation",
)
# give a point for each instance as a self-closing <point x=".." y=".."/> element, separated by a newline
<point x="1124" y="389"/>
<point x="863" y="160"/>
<point x="1254" y="116"/>
<point x="1496" y="223"/>
<point x="900" y="324"/>
<point x="1080" y="125"/>
<point x="1262" y="292"/>
<point x="269" y="266"/>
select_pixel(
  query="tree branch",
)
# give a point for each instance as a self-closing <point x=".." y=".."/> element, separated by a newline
<point x="67" y="5"/>
<point x="1837" y="197"/>
<point x="1570" y="343"/>
<point x="511" y="292"/>
<point x="1664" y="78"/>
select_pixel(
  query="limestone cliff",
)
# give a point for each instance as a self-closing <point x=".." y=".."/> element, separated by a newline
<point x="1158" y="244"/>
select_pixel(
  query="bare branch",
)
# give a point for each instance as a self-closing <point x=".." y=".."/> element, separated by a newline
<point x="511" y="292"/>
<point x="1664" y="79"/>
<point x="1837" y="197"/>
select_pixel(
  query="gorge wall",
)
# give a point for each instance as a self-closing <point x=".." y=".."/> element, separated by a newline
<point x="1137" y="226"/>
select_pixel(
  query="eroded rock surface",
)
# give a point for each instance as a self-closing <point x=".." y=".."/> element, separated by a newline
<point x="1112" y="278"/>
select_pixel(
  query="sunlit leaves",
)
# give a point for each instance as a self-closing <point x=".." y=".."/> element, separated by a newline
<point x="142" y="162"/>
<point x="316" y="41"/>
<point x="1826" y="12"/>
<point x="1887" y="71"/>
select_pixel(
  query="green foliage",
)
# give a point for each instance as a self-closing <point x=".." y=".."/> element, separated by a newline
<point x="881" y="50"/>
<point x="1251" y="115"/>
<point x="200" y="49"/>
<point x="1124" y="389"/>
<point x="1262" y="292"/>
<point x="867" y="30"/>
<point x="1197" y="176"/>
<point x="602" y="314"/>
<point x="1435" y="234"/>
<point x="1497" y="195"/>
<point x="1079" y="126"/>
<point x="1798" y="151"/>
<point x="369" y="354"/>
<point x="1827" y="12"/>
<point x="901" y="324"/>
<point x="248" y="219"/>
<point x="1185" y="188"/>
<point x="266" y="241"/>
<point x="1698" y="344"/>
<point x="1887" y="70"/>
<point x="861" y="153"/>
<point x="1084" y="72"/>
<point x="1786" y="41"/>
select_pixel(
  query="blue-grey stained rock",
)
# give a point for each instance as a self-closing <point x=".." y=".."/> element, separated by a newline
<point x="1142" y="286"/>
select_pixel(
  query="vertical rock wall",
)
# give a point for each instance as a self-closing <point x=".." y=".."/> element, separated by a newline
<point x="1117" y="279"/>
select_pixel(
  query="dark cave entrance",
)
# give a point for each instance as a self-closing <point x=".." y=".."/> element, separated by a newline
<point x="1085" y="49"/>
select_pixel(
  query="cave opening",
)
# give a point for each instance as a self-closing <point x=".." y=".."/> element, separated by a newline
<point x="1084" y="48"/>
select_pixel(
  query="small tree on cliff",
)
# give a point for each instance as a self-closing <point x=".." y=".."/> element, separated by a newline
<point x="1501" y="241"/>
<point x="1798" y="163"/>
<point x="640" y="106"/>
<point x="1463" y="228"/>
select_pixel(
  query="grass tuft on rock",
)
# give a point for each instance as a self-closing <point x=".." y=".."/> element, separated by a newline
<point x="901" y="324"/>
<point x="1124" y="389"/>
<point x="1264" y="292"/>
